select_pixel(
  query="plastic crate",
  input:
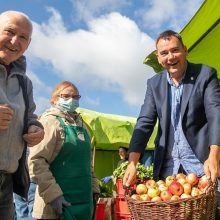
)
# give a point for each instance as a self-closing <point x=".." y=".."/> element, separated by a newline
<point x="119" y="188"/>
<point x="123" y="217"/>
<point x="100" y="211"/>
<point x="120" y="192"/>
<point x="121" y="206"/>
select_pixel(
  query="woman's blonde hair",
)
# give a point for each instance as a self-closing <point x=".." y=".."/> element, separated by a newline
<point x="61" y="86"/>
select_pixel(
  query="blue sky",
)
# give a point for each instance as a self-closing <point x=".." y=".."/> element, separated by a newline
<point x="99" y="45"/>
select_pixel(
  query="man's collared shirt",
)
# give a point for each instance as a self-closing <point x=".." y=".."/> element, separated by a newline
<point x="180" y="153"/>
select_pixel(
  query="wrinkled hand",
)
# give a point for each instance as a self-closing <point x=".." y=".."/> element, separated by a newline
<point x="106" y="179"/>
<point x="6" y="115"/>
<point x="34" y="136"/>
<point x="211" y="165"/>
<point x="58" y="204"/>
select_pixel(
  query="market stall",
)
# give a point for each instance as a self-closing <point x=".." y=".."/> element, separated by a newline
<point x="108" y="132"/>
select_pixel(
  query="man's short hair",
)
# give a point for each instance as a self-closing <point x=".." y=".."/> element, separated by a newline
<point x="167" y="34"/>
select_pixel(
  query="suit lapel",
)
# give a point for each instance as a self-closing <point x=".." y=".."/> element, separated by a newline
<point x="165" y="107"/>
<point x="189" y="82"/>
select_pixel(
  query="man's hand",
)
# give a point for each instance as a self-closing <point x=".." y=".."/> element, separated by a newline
<point x="34" y="136"/>
<point x="6" y="115"/>
<point x="58" y="204"/>
<point x="129" y="178"/>
<point x="211" y="165"/>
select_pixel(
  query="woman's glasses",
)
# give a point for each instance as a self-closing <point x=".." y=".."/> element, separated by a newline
<point x="69" y="96"/>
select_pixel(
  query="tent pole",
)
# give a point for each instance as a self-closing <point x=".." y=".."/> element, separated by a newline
<point x="93" y="156"/>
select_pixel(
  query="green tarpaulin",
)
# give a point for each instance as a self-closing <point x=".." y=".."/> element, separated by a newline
<point x="201" y="36"/>
<point x="110" y="131"/>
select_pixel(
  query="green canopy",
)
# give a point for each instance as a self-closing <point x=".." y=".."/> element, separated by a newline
<point x="201" y="36"/>
<point x="110" y="131"/>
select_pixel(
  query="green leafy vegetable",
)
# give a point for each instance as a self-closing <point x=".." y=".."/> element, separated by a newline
<point x="142" y="171"/>
<point x="105" y="190"/>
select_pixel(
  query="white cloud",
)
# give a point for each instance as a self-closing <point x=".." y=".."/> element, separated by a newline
<point x="42" y="103"/>
<point x="94" y="102"/>
<point x="38" y="85"/>
<point x="41" y="91"/>
<point x="109" y="55"/>
<point x="86" y="10"/>
<point x="172" y="14"/>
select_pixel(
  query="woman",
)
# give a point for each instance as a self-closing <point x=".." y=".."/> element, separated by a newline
<point x="61" y="163"/>
<point x="123" y="154"/>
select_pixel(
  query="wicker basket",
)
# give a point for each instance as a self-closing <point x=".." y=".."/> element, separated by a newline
<point x="201" y="207"/>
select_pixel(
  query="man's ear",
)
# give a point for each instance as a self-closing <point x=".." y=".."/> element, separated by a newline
<point x="28" y="43"/>
<point x="158" y="59"/>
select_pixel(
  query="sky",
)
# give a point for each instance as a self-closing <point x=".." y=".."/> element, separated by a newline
<point x="99" y="45"/>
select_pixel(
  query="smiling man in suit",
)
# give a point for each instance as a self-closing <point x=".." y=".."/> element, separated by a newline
<point x="185" y="99"/>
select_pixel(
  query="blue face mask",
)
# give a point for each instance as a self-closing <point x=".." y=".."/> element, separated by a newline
<point x="69" y="105"/>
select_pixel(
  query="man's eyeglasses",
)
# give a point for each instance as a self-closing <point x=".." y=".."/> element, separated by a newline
<point x="68" y="96"/>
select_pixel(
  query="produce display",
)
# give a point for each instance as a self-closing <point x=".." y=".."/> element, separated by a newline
<point x="105" y="190"/>
<point x="172" y="188"/>
<point x="143" y="172"/>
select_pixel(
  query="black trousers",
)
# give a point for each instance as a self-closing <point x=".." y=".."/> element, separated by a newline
<point x="6" y="196"/>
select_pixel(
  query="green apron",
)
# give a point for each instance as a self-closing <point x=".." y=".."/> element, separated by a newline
<point x="72" y="171"/>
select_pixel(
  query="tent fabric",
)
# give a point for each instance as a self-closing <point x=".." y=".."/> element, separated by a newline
<point x="201" y="36"/>
<point x="110" y="131"/>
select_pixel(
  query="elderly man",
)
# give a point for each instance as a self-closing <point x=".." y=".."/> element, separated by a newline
<point x="16" y="105"/>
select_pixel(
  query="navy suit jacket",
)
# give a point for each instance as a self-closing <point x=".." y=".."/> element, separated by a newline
<point x="200" y="113"/>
